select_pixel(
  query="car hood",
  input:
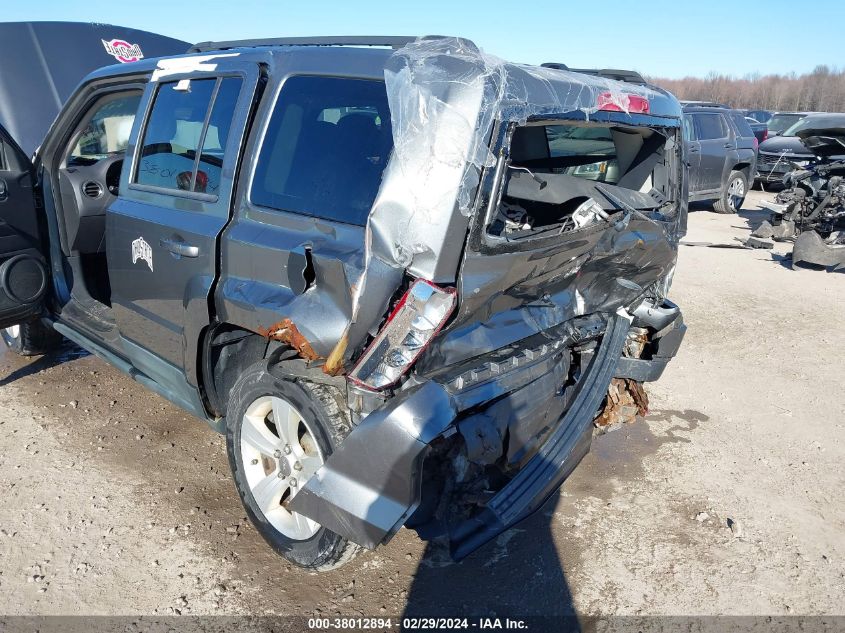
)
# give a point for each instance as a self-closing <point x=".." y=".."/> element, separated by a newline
<point x="42" y="62"/>
<point x="784" y="145"/>
<point x="828" y="141"/>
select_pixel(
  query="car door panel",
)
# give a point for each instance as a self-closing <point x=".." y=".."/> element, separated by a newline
<point x="713" y="150"/>
<point x="692" y="157"/>
<point x="24" y="279"/>
<point x="162" y="242"/>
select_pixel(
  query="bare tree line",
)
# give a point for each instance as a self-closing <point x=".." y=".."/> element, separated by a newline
<point x="822" y="90"/>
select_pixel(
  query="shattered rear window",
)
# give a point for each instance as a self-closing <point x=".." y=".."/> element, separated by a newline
<point x="567" y="176"/>
<point x="325" y="149"/>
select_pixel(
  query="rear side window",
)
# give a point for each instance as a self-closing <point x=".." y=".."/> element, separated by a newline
<point x="325" y="149"/>
<point x="780" y="122"/>
<point x="186" y="134"/>
<point x="710" y="126"/>
<point x="741" y="125"/>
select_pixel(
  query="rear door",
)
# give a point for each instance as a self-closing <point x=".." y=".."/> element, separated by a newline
<point x="162" y="233"/>
<point x="693" y="154"/>
<point x="715" y="143"/>
<point x="23" y="271"/>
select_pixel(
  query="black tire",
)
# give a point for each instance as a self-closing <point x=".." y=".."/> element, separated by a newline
<point x="324" y="407"/>
<point x="32" y="338"/>
<point x="733" y="193"/>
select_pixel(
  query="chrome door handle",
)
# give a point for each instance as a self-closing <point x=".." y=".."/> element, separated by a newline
<point x="178" y="247"/>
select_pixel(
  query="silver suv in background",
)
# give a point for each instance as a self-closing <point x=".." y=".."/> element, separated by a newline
<point x="721" y="152"/>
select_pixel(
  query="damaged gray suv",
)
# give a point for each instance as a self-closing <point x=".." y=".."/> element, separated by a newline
<point x="400" y="275"/>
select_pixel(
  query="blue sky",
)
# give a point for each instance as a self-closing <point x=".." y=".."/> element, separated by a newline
<point x="659" y="38"/>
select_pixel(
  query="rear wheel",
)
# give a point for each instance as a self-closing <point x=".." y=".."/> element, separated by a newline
<point x="733" y="194"/>
<point x="31" y="338"/>
<point x="279" y="433"/>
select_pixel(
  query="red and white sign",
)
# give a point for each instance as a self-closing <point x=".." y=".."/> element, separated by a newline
<point x="123" y="51"/>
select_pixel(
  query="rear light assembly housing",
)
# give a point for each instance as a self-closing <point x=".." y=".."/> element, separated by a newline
<point x="609" y="102"/>
<point x="420" y="314"/>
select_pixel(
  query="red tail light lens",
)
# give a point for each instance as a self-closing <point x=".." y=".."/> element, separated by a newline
<point x="409" y="329"/>
<point x="633" y="104"/>
<point x="765" y="135"/>
<point x="756" y="143"/>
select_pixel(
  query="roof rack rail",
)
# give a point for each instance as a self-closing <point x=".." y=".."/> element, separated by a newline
<point x="392" y="41"/>
<point x="630" y="76"/>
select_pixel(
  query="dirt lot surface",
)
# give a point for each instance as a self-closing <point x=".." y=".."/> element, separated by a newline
<point x="726" y="499"/>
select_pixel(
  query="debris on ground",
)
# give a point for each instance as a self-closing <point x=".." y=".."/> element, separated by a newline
<point x="755" y="242"/>
<point x="811" y="209"/>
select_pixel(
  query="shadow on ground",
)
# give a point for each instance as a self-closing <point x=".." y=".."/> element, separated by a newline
<point x="66" y="353"/>
<point x="518" y="574"/>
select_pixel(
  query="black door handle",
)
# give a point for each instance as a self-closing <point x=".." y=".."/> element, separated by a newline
<point x="178" y="247"/>
<point x="728" y="146"/>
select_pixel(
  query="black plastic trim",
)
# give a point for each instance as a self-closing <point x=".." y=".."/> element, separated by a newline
<point x="555" y="460"/>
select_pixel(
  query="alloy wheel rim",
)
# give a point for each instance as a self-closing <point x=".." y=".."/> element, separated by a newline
<point x="13" y="331"/>
<point x="280" y="453"/>
<point x="736" y="193"/>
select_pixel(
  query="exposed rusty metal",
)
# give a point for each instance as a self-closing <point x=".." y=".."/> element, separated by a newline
<point x="626" y="399"/>
<point x="636" y="342"/>
<point x="286" y="332"/>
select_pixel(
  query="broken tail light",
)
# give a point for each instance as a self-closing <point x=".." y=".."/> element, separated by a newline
<point x="415" y="321"/>
<point x="635" y="104"/>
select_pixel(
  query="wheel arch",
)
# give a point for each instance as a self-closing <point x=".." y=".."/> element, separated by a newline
<point x="224" y="351"/>
<point x="227" y="349"/>
<point x="745" y="168"/>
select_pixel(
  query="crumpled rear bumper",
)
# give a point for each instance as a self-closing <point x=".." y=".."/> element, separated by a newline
<point x="371" y="485"/>
<point x="556" y="458"/>
<point x="668" y="322"/>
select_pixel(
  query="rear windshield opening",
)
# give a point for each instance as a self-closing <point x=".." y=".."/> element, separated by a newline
<point x="566" y="176"/>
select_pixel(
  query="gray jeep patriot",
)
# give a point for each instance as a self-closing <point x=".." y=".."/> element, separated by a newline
<point x="401" y="275"/>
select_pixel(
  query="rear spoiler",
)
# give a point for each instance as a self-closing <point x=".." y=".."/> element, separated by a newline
<point x="629" y="76"/>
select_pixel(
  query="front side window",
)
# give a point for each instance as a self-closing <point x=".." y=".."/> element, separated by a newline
<point x="710" y="127"/>
<point x="183" y="145"/>
<point x="107" y="130"/>
<point x="326" y="146"/>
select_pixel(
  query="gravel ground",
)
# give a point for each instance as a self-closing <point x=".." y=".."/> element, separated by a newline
<point x="726" y="499"/>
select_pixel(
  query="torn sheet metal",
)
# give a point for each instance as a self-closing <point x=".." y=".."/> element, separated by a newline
<point x="445" y="96"/>
<point x="286" y="332"/>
